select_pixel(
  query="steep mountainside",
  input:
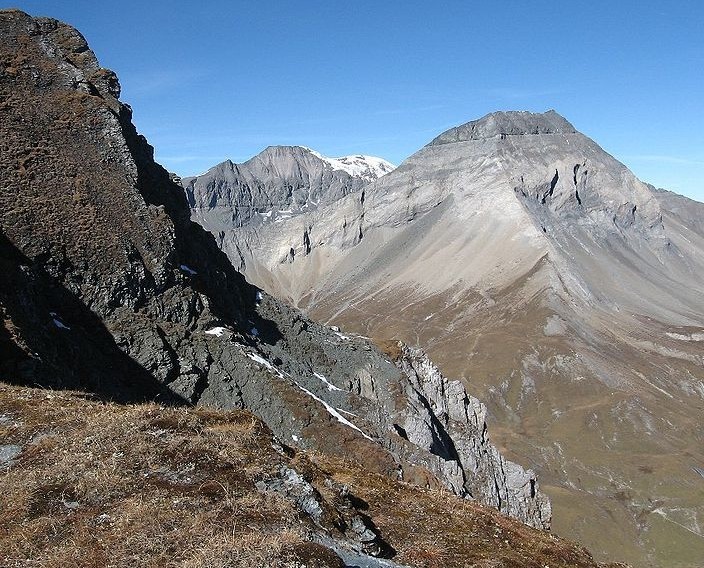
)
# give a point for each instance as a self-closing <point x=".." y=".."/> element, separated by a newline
<point x="533" y="265"/>
<point x="108" y="287"/>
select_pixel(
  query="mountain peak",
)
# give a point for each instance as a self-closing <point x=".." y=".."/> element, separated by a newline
<point x="507" y="123"/>
<point x="364" y="167"/>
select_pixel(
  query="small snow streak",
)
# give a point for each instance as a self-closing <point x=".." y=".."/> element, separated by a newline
<point x="327" y="383"/>
<point x="347" y="412"/>
<point x="259" y="359"/>
<point x="334" y="412"/>
<point x="58" y="323"/>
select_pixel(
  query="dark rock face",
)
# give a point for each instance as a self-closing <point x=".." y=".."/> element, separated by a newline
<point x="92" y="228"/>
<point x="107" y="286"/>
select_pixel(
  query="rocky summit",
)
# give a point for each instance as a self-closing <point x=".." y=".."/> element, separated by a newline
<point x="563" y="291"/>
<point x="109" y="288"/>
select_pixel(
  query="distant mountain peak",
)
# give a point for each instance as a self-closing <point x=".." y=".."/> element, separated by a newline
<point x="277" y="184"/>
<point x="507" y="123"/>
<point x="362" y="166"/>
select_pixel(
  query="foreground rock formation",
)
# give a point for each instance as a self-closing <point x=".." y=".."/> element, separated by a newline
<point x="565" y="293"/>
<point x="108" y="287"/>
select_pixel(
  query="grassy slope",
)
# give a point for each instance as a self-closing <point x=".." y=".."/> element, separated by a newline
<point x="101" y="484"/>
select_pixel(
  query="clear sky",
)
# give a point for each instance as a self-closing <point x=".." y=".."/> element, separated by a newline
<point x="215" y="79"/>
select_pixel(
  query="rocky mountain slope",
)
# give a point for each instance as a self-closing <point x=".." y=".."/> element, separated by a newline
<point x="276" y="185"/>
<point x="565" y="292"/>
<point x="108" y="287"/>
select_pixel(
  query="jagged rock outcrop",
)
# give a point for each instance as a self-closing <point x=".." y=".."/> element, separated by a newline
<point x="564" y="292"/>
<point x="108" y="286"/>
<point x="438" y="416"/>
<point x="488" y="476"/>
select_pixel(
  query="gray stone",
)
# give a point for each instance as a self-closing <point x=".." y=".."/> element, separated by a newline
<point x="502" y="124"/>
<point x="8" y="453"/>
<point x="141" y="325"/>
<point x="291" y="484"/>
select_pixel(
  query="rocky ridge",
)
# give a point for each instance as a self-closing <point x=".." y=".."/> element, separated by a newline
<point x="108" y="286"/>
<point x="273" y="187"/>
<point x="277" y="183"/>
<point x="503" y="124"/>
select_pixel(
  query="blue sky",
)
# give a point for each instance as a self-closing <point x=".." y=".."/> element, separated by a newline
<point x="211" y="80"/>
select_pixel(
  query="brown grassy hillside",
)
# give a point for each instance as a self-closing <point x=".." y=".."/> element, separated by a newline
<point x="87" y="483"/>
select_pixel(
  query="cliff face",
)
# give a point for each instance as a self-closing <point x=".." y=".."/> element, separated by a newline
<point x="437" y="415"/>
<point x="108" y="286"/>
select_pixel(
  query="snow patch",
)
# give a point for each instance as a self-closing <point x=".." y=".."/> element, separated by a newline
<point x="259" y="359"/>
<point x="188" y="270"/>
<point x="327" y="383"/>
<point x="254" y="331"/>
<point x="217" y="331"/>
<point x="58" y="323"/>
<point x="347" y="412"/>
<point x="368" y="168"/>
<point x="333" y="412"/>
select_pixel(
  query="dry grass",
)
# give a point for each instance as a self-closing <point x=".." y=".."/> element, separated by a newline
<point x="433" y="529"/>
<point x="107" y="485"/>
<point x="390" y="347"/>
